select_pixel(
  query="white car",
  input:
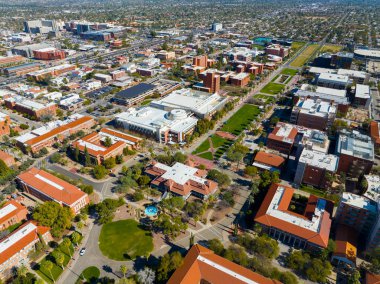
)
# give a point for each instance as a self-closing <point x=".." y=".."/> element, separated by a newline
<point x="82" y="251"/>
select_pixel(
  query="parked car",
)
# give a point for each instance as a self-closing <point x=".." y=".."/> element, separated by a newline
<point x="82" y="251"/>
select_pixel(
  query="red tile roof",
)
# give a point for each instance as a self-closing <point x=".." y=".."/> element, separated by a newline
<point x="23" y="242"/>
<point x="291" y="136"/>
<point x="374" y="129"/>
<point x="68" y="195"/>
<point x="319" y="238"/>
<point x="201" y="263"/>
<point x="269" y="159"/>
<point x="346" y="243"/>
<point x="19" y="208"/>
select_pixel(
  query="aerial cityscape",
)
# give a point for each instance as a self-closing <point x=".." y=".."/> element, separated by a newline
<point x="181" y="142"/>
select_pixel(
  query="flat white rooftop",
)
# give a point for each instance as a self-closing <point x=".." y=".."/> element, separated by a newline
<point x="334" y="78"/>
<point x="373" y="191"/>
<point x="319" y="160"/>
<point x="16" y="237"/>
<point x="316" y="107"/>
<point x="312" y="225"/>
<point x="362" y="91"/>
<point x="352" y="73"/>
<point x="359" y="201"/>
<point x="319" y="70"/>
<point x="331" y="91"/>
<point x="180" y="173"/>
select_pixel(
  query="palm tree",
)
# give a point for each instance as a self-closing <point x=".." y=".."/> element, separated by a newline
<point x="124" y="270"/>
<point x="48" y="266"/>
<point x="22" y="270"/>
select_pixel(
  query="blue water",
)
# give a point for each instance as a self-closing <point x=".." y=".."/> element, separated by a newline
<point x="151" y="211"/>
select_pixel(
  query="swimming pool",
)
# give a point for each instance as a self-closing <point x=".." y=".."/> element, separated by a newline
<point x="151" y="211"/>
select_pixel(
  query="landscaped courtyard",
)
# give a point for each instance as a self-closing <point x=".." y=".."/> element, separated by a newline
<point x="128" y="237"/>
<point x="213" y="147"/>
<point x="272" y="88"/>
<point x="241" y="119"/>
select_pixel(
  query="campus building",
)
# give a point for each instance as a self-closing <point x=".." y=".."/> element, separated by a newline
<point x="313" y="113"/>
<point x="268" y="161"/>
<point x="356" y="153"/>
<point x="12" y="213"/>
<point x="362" y="96"/>
<point x="48" y="187"/>
<point x="202" y="104"/>
<point x="202" y="265"/>
<point x="181" y="179"/>
<point x="316" y="168"/>
<point x="164" y="126"/>
<point x="94" y="144"/>
<point x="277" y="50"/>
<point x="22" y="69"/>
<point x="282" y="138"/>
<point x="334" y="81"/>
<point x="53" y="132"/>
<point x="49" y="53"/>
<point x="310" y="229"/>
<point x="51" y="71"/>
<point x="33" y="109"/>
<point x="375" y="133"/>
<point x="11" y="60"/>
<point x="7" y="159"/>
<point x="5" y="122"/>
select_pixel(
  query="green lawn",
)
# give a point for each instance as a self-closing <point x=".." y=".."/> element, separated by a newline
<point x="217" y="141"/>
<point x="125" y="240"/>
<point x="240" y="120"/>
<point x="296" y="45"/>
<point x="321" y="193"/>
<point x="203" y="147"/>
<point x="275" y="78"/>
<point x="91" y="273"/>
<point x="288" y="71"/>
<point x="331" y="48"/>
<point x="207" y="155"/>
<point x="267" y="98"/>
<point x="302" y="58"/>
<point x="272" y="88"/>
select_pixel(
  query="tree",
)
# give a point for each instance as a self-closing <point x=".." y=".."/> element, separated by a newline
<point x="99" y="171"/>
<point x="168" y="263"/>
<point x="22" y="270"/>
<point x="55" y="158"/>
<point x="216" y="246"/>
<point x="123" y="269"/>
<point x="75" y="237"/>
<point x="59" y="258"/>
<point x="80" y="226"/>
<point x="354" y="277"/>
<point x="146" y="276"/>
<point x="143" y="180"/>
<point x="250" y="171"/>
<point x="48" y="266"/>
<point x="53" y="215"/>
<point x="76" y="154"/>
<point x="318" y="270"/>
<point x="109" y="163"/>
<point x="191" y="240"/>
<point x="108" y="141"/>
<point x="66" y="243"/>
<point x="223" y="180"/>
<point x="87" y="158"/>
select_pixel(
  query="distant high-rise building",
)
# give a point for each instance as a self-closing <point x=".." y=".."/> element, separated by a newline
<point x="212" y="81"/>
<point x="40" y="26"/>
<point x="216" y="27"/>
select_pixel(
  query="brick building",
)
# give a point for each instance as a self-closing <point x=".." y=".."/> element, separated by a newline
<point x="277" y="50"/>
<point x="55" y="132"/>
<point x="212" y="82"/>
<point x="12" y="213"/>
<point x="200" y="61"/>
<point x="49" y="53"/>
<point x="48" y="187"/>
<point x="31" y="108"/>
<point x="356" y="153"/>
<point x="10" y="60"/>
<point x="307" y="229"/>
<point x="15" y="248"/>
<point x="7" y="159"/>
<point x="240" y="79"/>
<point x="282" y="138"/>
<point x="5" y="122"/>
<point x="375" y="134"/>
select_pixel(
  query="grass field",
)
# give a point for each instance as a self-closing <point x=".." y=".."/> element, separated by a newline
<point x="203" y="147"/>
<point x="304" y="56"/>
<point x="267" y="98"/>
<point x="272" y="88"/>
<point x="207" y="156"/>
<point x="275" y="78"/>
<point x="297" y="45"/>
<point x="125" y="240"/>
<point x="218" y="141"/>
<point x="240" y="120"/>
<point x="331" y="48"/>
<point x="288" y="71"/>
<point x="91" y="274"/>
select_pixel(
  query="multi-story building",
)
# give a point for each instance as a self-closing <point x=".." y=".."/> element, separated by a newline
<point x="11" y="60"/>
<point x="202" y="104"/>
<point x="211" y="82"/>
<point x="51" y="71"/>
<point x="334" y="81"/>
<point x="216" y="27"/>
<point x="53" y="132"/>
<point x="268" y="161"/>
<point x="12" y="213"/>
<point x="307" y="229"/>
<point x="316" y="168"/>
<point x="359" y="213"/>
<point x="282" y="138"/>
<point x="23" y="69"/>
<point x="40" y="26"/>
<point x="27" y="50"/>
<point x="48" y="187"/>
<point x="117" y="74"/>
<point x="202" y="265"/>
<point x="375" y="133"/>
<point x="313" y="113"/>
<point x="359" y="77"/>
<point x="362" y="96"/>
<point x="49" y="53"/>
<point x="356" y="153"/>
<point x="94" y="144"/>
<point x="135" y="94"/>
<point x="200" y="61"/>
<point x="181" y="179"/>
<point x="15" y="248"/>
<point x="5" y="123"/>
<point x="277" y="50"/>
<point x="240" y="79"/>
<point x="71" y="102"/>
<point x="342" y="60"/>
<point x="166" y="127"/>
<point x="31" y="108"/>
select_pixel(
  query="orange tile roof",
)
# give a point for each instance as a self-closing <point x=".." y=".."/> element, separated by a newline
<point x="68" y="195"/>
<point x="269" y="159"/>
<point x="18" y="206"/>
<point x="5" y="156"/>
<point x="320" y="238"/>
<point x="374" y="130"/>
<point x="22" y="243"/>
<point x="201" y="263"/>
<point x="59" y="130"/>
<point x="346" y="243"/>
<point x="121" y="135"/>
<point x="292" y="134"/>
